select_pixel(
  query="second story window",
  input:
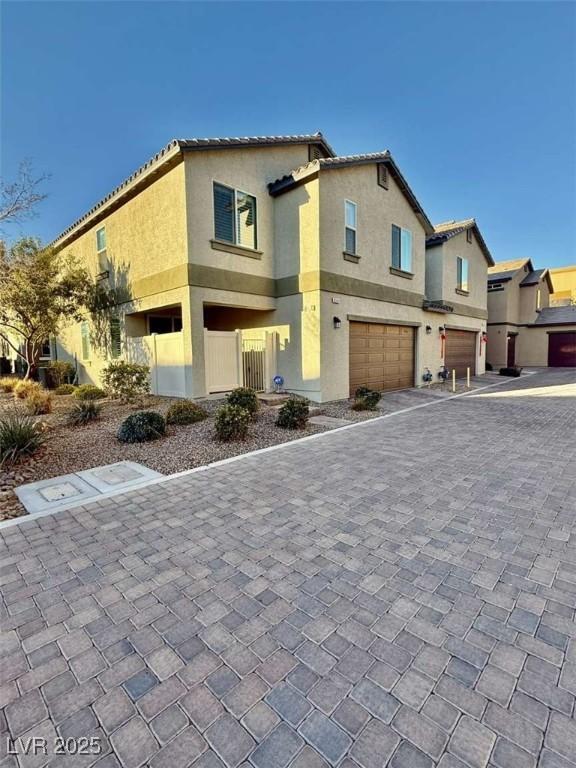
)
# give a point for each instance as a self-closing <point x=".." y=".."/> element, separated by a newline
<point x="85" y="335"/>
<point x="350" y="216"/>
<point x="462" y="274"/>
<point x="234" y="216"/>
<point x="401" y="249"/>
<point x="101" y="239"/>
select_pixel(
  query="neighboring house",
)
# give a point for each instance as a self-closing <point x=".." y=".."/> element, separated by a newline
<point x="457" y="260"/>
<point x="523" y="329"/>
<point x="564" y="283"/>
<point x="246" y="258"/>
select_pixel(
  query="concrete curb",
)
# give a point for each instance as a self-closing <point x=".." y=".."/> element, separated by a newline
<point x="279" y="446"/>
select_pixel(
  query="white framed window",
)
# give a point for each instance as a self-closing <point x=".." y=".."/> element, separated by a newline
<point x="235" y="216"/>
<point x="101" y="239"/>
<point x="495" y="287"/>
<point x="46" y="350"/>
<point x="85" y="334"/>
<point x="401" y="248"/>
<point x="350" y="226"/>
<point x="461" y="273"/>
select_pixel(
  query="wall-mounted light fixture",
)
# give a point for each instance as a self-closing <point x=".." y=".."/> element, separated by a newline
<point x="428" y="329"/>
<point x="337" y="322"/>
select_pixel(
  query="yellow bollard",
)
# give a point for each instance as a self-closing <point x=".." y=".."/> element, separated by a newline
<point x="453" y="379"/>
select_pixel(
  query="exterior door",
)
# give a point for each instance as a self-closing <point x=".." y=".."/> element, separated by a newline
<point x="460" y="351"/>
<point x="562" y="349"/>
<point x="511" y="356"/>
<point x="381" y="356"/>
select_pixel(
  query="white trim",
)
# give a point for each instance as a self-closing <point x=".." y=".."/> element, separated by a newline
<point x="351" y="228"/>
<point x="279" y="446"/>
<point x="101" y="250"/>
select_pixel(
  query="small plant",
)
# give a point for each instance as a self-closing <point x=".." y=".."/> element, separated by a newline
<point x="7" y="383"/>
<point x="89" y="392"/>
<point x="511" y="371"/>
<point x="294" y="414"/>
<point x="61" y="372"/>
<point x="25" y="387"/>
<point x="232" y="423"/>
<point x="20" y="436"/>
<point x="65" y="389"/>
<point x="84" y="412"/>
<point x="365" y="399"/>
<point x="185" y="412"/>
<point x="126" y="381"/>
<point x="246" y="398"/>
<point x="141" y="427"/>
<point x="489" y="367"/>
<point x="38" y="402"/>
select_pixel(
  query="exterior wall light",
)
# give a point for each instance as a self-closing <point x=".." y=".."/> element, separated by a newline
<point x="337" y="322"/>
<point x="428" y="329"/>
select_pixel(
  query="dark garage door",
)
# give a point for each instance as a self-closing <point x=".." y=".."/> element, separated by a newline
<point x="562" y="349"/>
<point x="381" y="356"/>
<point x="460" y="351"/>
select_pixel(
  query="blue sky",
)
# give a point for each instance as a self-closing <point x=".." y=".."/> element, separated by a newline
<point x="476" y="101"/>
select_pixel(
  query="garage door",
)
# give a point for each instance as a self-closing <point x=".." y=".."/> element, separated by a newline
<point x="562" y="349"/>
<point x="381" y="356"/>
<point x="460" y="351"/>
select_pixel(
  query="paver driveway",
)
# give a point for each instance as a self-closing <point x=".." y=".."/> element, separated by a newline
<point x="403" y="592"/>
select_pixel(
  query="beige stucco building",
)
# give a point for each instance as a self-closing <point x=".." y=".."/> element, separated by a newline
<point x="241" y="259"/>
<point x="564" y="286"/>
<point x="523" y="328"/>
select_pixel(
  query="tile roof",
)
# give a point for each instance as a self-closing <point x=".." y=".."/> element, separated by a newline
<point x="534" y="277"/>
<point x="448" y="229"/>
<point x="556" y="315"/>
<point x="176" y="146"/>
<point x="504" y="267"/>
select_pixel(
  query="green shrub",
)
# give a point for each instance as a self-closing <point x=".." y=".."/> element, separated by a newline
<point x="366" y="399"/>
<point x="232" y="423"/>
<point x="25" y="387"/>
<point x="294" y="414"/>
<point x="89" y="392"/>
<point x="38" y="402"/>
<point x="84" y="412"/>
<point x="7" y="383"/>
<point x="61" y="372"/>
<point x="127" y="381"/>
<point x="141" y="427"/>
<point x="65" y="389"/>
<point x="20" y="436"/>
<point x="185" y="412"/>
<point x="246" y="398"/>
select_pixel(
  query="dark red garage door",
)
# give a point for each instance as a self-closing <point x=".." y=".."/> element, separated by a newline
<point x="562" y="349"/>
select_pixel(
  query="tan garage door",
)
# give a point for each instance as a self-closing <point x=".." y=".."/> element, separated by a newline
<point x="460" y="351"/>
<point x="381" y="356"/>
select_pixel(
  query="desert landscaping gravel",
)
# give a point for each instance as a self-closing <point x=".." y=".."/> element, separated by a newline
<point x="71" y="449"/>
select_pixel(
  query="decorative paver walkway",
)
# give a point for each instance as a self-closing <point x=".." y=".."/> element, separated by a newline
<point x="400" y="593"/>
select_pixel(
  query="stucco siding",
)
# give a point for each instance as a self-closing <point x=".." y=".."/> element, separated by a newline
<point x="249" y="170"/>
<point x="378" y="209"/>
<point x="477" y="272"/>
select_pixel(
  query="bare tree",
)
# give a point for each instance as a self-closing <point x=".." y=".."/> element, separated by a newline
<point x="19" y="198"/>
